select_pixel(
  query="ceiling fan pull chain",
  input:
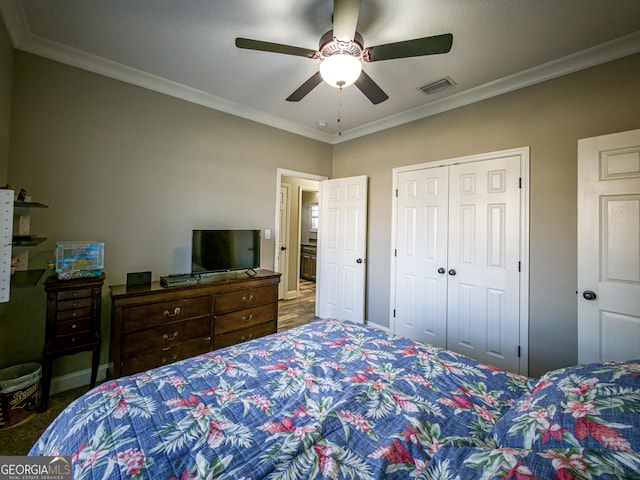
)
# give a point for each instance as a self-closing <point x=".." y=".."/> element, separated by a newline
<point x="340" y="112"/>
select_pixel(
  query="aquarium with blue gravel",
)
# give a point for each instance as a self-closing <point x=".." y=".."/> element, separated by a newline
<point x="79" y="259"/>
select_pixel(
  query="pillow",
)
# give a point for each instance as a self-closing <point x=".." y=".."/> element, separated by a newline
<point x="593" y="406"/>
<point x="470" y="463"/>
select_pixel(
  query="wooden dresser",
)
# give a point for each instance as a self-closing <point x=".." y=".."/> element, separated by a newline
<point x="73" y="324"/>
<point x="154" y="325"/>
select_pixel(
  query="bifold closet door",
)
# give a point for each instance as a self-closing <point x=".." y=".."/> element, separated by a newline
<point x="483" y="261"/>
<point x="421" y="257"/>
<point x="457" y="278"/>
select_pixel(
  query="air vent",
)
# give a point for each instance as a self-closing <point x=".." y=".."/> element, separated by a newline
<point x="437" y="86"/>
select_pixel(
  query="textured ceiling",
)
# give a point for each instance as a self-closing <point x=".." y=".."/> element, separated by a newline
<point x="186" y="48"/>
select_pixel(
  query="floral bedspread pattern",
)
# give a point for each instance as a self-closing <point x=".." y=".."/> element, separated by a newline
<point x="331" y="400"/>
<point x="579" y="422"/>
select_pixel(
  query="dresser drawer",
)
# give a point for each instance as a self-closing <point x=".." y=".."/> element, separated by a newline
<point x="241" y="299"/>
<point x="244" y="318"/>
<point x="163" y="357"/>
<point x="239" y="336"/>
<point x="165" y="336"/>
<point x="74" y="340"/>
<point x="75" y="303"/>
<point x="77" y="293"/>
<point x="75" y="313"/>
<point x="153" y="314"/>
<point x="73" y="326"/>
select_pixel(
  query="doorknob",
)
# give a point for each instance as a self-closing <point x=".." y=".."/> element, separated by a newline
<point x="441" y="271"/>
<point x="589" y="295"/>
<point x="283" y="248"/>
<point x="359" y="260"/>
<point x="452" y="272"/>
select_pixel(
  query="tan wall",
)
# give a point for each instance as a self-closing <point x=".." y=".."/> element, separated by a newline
<point x="550" y="118"/>
<point x="137" y="170"/>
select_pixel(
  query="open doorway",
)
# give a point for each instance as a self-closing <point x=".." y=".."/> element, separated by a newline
<point x="296" y="245"/>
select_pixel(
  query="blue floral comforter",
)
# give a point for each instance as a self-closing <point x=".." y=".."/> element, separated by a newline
<point x="336" y="400"/>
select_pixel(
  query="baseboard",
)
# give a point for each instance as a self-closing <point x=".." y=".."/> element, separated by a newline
<point x="76" y="379"/>
<point x="290" y="295"/>
<point x="379" y="327"/>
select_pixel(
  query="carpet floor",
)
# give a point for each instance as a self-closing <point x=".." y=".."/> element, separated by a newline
<point x="18" y="439"/>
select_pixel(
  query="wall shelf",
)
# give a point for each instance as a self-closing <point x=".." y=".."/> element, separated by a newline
<point x="26" y="278"/>
<point x="21" y="240"/>
<point x="29" y="205"/>
<point x="27" y="241"/>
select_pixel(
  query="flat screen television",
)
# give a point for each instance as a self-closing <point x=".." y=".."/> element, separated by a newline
<point x="224" y="250"/>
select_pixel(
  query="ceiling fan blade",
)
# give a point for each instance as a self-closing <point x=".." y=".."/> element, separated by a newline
<point x="274" y="47"/>
<point x="305" y="88"/>
<point x="410" y="48"/>
<point x="345" y="19"/>
<point x="370" y="89"/>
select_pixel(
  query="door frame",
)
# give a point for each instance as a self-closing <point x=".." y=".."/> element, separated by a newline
<point x="282" y="257"/>
<point x="523" y="153"/>
<point x="280" y="172"/>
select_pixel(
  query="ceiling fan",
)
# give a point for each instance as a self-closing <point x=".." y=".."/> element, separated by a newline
<point x="342" y="50"/>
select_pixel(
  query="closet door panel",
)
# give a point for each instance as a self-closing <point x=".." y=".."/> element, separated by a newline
<point x="421" y="291"/>
<point x="483" y="255"/>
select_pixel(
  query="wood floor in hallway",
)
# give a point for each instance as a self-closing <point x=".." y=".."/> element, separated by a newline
<point x="299" y="310"/>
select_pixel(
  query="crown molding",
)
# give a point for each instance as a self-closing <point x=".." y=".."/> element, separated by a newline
<point x="22" y="39"/>
<point x="591" y="57"/>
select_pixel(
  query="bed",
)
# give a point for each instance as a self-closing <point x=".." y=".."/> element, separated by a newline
<point x="335" y="399"/>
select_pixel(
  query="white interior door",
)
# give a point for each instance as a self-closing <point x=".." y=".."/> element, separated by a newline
<point x="283" y="240"/>
<point x="484" y="254"/>
<point x="609" y="247"/>
<point x="341" y="267"/>
<point x="421" y="253"/>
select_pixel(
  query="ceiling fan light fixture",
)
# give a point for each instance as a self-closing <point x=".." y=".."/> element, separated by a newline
<point x="340" y="70"/>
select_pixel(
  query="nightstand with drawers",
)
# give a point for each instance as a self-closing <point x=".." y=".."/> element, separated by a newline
<point x="72" y="325"/>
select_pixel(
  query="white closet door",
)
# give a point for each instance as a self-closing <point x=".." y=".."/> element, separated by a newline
<point x="483" y="268"/>
<point x="421" y="281"/>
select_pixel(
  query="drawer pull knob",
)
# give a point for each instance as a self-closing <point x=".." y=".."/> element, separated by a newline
<point x="74" y="314"/>
<point x="166" y="336"/>
<point x="73" y="340"/>
<point x="173" y="359"/>
<point x="75" y="304"/>
<point x="247" y="319"/>
<point x="74" y="326"/>
<point x="176" y="311"/>
<point x="247" y="300"/>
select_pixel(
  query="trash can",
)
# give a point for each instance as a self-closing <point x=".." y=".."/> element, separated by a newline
<point x="19" y="393"/>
